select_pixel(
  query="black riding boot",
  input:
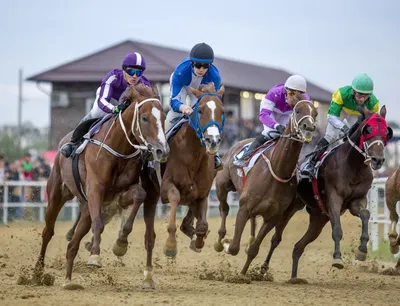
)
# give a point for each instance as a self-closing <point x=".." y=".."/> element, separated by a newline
<point x="320" y="148"/>
<point x="259" y="141"/>
<point x="77" y="134"/>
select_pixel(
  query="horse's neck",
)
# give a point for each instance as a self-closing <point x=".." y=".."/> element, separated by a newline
<point x="191" y="145"/>
<point x="353" y="158"/>
<point x="117" y="138"/>
<point x="285" y="155"/>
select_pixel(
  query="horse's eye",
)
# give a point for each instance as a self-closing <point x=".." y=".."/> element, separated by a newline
<point x="200" y="111"/>
<point x="297" y="111"/>
<point x="145" y="119"/>
<point x="368" y="130"/>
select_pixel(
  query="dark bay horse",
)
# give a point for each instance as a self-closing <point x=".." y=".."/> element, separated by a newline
<point x="343" y="183"/>
<point x="271" y="184"/>
<point x="188" y="174"/>
<point x="392" y="190"/>
<point x="106" y="177"/>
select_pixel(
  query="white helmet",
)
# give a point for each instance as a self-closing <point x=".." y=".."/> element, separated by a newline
<point x="296" y="82"/>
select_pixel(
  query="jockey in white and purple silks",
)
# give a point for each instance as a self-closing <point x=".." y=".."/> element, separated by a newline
<point x="109" y="93"/>
<point x="275" y="111"/>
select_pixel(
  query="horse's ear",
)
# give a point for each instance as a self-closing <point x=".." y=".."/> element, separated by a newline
<point x="383" y="112"/>
<point x="155" y="91"/>
<point x="195" y="92"/>
<point x="133" y="94"/>
<point x="221" y="90"/>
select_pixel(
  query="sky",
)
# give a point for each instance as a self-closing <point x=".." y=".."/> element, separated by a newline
<point x="328" y="42"/>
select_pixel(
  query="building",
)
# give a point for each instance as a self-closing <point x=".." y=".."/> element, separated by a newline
<point x="74" y="84"/>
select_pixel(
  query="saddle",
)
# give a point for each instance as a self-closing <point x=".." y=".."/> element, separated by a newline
<point x="175" y="128"/>
<point x="250" y="161"/>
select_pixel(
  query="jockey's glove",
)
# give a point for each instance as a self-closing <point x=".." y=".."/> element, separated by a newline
<point x="280" y="129"/>
<point x="345" y="129"/>
<point x="119" y="108"/>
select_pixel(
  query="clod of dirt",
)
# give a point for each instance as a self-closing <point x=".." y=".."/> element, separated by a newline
<point x="255" y="274"/>
<point x="238" y="279"/>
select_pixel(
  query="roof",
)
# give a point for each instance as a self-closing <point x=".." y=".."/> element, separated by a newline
<point x="161" y="62"/>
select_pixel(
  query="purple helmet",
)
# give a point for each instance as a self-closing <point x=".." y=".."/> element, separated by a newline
<point x="134" y="60"/>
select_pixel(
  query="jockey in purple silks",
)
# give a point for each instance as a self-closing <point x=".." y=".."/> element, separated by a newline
<point x="275" y="111"/>
<point x="109" y="93"/>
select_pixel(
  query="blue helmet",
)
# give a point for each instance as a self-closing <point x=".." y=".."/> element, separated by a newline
<point x="134" y="60"/>
<point x="202" y="53"/>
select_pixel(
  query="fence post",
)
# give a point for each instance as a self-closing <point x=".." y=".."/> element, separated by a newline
<point x="373" y="208"/>
<point x="5" y="204"/>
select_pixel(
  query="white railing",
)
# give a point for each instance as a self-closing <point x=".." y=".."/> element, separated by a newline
<point x="74" y="204"/>
<point x="378" y="218"/>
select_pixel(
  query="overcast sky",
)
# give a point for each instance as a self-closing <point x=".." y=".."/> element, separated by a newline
<point x="328" y="42"/>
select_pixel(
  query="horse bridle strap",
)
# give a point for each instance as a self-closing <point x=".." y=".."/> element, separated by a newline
<point x="274" y="174"/>
<point x="135" y="118"/>
<point x="294" y="124"/>
<point x="366" y="147"/>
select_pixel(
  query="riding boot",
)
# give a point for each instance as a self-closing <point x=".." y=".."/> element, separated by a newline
<point x="257" y="142"/>
<point x="320" y="148"/>
<point x="218" y="164"/>
<point x="77" y="134"/>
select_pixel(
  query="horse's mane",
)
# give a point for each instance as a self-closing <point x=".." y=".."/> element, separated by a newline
<point x="140" y="92"/>
<point x="209" y="87"/>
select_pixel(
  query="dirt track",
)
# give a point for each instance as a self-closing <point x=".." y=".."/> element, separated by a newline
<point x="179" y="283"/>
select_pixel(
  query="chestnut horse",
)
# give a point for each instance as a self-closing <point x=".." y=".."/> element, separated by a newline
<point x="392" y="190"/>
<point x="188" y="174"/>
<point x="271" y="184"/>
<point x="107" y="177"/>
<point x="343" y="182"/>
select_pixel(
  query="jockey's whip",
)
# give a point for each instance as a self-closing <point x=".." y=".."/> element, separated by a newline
<point x="105" y="136"/>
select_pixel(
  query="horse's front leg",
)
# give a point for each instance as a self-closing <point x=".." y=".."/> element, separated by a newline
<point x="200" y="212"/>
<point x="136" y="195"/>
<point x="335" y="205"/>
<point x="174" y="197"/>
<point x="358" y="208"/>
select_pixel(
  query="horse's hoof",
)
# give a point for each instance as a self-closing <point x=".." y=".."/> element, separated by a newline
<point x="264" y="268"/>
<point x="218" y="246"/>
<point x="297" y="281"/>
<point x="170" y="252"/>
<point x="68" y="236"/>
<point x="360" y="255"/>
<point x="338" y="263"/>
<point x="193" y="246"/>
<point x="68" y="285"/>
<point x="148" y="285"/>
<point x="95" y="260"/>
<point x="88" y="246"/>
<point x="394" y="248"/>
<point x="226" y="243"/>
<point x="120" y="249"/>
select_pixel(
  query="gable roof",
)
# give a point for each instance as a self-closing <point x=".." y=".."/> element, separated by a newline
<point x="161" y="62"/>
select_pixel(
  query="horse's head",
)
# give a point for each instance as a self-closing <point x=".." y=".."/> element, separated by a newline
<point x="147" y="120"/>
<point x="374" y="135"/>
<point x="302" y="121"/>
<point x="208" y="117"/>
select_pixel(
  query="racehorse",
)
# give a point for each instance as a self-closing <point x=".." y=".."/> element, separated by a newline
<point x="188" y="174"/>
<point x="343" y="181"/>
<point x="271" y="184"/>
<point x="108" y="172"/>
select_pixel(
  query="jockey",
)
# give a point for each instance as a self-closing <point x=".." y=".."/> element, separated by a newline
<point x="348" y="98"/>
<point x="275" y="111"/>
<point x="109" y="93"/>
<point x="193" y="71"/>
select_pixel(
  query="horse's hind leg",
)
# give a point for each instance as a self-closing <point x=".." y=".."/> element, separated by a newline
<point x="222" y="188"/>
<point x="136" y="194"/>
<point x="392" y="196"/>
<point x="71" y="232"/>
<point x="73" y="246"/>
<point x="279" y="228"/>
<point x="317" y="223"/>
<point x="358" y="208"/>
<point x="57" y="197"/>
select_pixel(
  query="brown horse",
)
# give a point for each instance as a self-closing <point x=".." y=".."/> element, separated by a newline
<point x="105" y="177"/>
<point x="188" y="174"/>
<point x="343" y="181"/>
<point x="271" y="185"/>
<point x="392" y="189"/>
